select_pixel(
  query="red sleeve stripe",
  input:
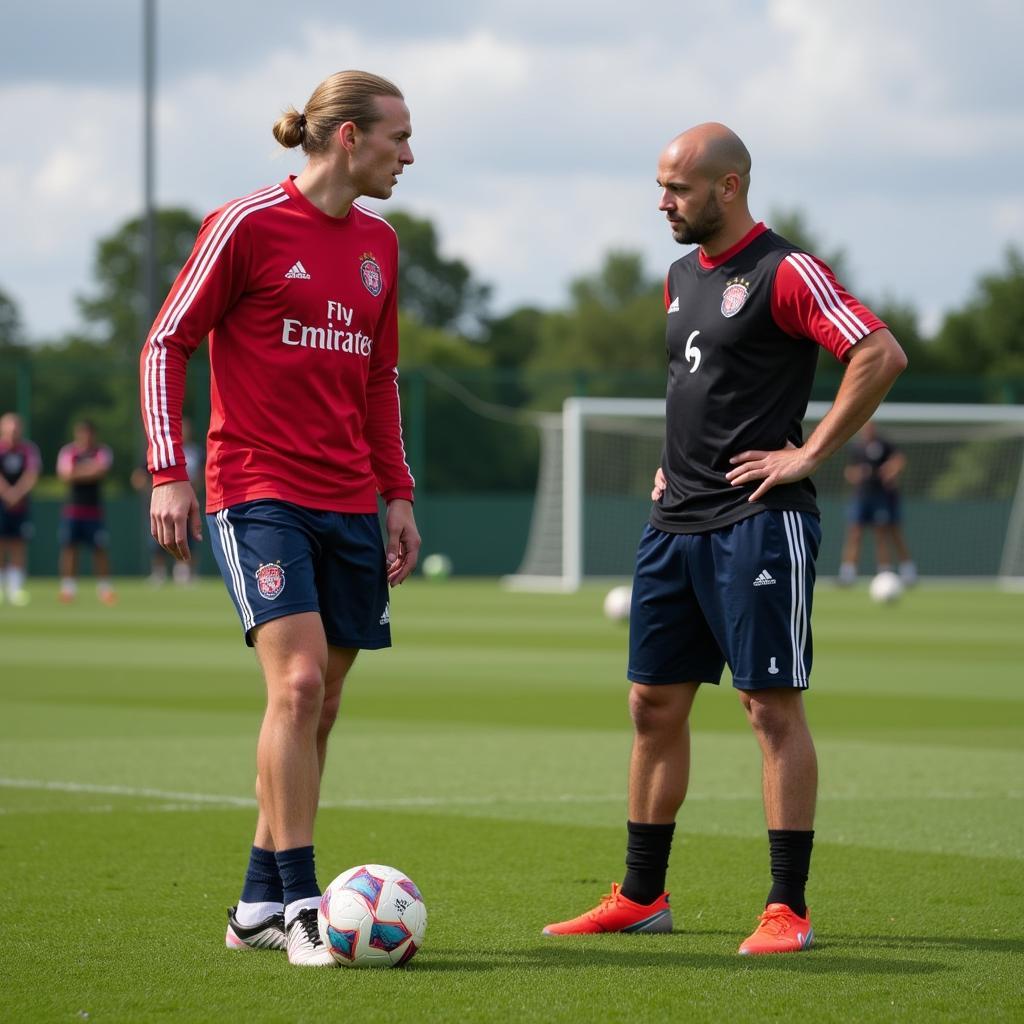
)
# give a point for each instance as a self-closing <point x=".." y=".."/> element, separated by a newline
<point x="849" y="325"/>
<point x="157" y="413"/>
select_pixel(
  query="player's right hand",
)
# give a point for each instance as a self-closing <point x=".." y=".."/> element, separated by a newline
<point x="659" y="484"/>
<point x="173" y="514"/>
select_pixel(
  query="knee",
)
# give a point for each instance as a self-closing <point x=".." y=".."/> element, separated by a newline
<point x="300" y="692"/>
<point x="773" y="718"/>
<point x="651" y="711"/>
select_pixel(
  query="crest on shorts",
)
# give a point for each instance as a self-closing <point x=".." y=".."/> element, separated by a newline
<point x="270" y="580"/>
<point x="734" y="296"/>
<point x="369" y="271"/>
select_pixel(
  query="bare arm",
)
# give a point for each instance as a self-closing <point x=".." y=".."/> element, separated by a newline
<point x="856" y="473"/>
<point x="892" y="468"/>
<point x="88" y="471"/>
<point x="875" y="362"/>
<point x="11" y="495"/>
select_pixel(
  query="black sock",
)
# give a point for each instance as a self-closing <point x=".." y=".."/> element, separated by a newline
<point x="262" y="879"/>
<point x="298" y="874"/>
<point x="647" y="851"/>
<point x="791" y="862"/>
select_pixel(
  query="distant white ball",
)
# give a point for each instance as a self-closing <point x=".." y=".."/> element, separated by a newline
<point x="437" y="567"/>
<point x="372" y="916"/>
<point x="616" y="603"/>
<point x="886" y="587"/>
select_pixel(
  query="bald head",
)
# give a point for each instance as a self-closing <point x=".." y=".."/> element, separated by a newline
<point x="705" y="175"/>
<point x="10" y="427"/>
<point x="712" y="151"/>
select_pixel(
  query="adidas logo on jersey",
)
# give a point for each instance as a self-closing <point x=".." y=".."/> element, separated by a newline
<point x="764" y="578"/>
<point x="298" y="271"/>
<point x="674" y="308"/>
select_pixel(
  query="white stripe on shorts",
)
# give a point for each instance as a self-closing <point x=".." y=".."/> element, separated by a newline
<point x="798" y="595"/>
<point x="234" y="564"/>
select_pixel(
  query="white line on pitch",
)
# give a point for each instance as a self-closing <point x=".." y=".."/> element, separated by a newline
<point x="355" y="803"/>
<point x="241" y="801"/>
<point x="131" y="791"/>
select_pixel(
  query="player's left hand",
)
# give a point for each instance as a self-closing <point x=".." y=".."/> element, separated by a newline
<point x="660" y="483"/>
<point x="784" y="466"/>
<point x="403" y="548"/>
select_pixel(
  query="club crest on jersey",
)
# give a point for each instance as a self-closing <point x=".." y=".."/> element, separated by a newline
<point x="270" y="580"/>
<point x="734" y="296"/>
<point x="369" y="271"/>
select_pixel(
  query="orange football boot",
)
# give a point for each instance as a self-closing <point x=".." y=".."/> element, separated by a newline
<point x="615" y="913"/>
<point x="779" y="930"/>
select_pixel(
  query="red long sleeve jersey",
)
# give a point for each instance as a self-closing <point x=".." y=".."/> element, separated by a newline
<point x="301" y="312"/>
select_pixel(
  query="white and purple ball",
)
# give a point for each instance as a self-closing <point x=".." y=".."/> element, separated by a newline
<point x="372" y="916"/>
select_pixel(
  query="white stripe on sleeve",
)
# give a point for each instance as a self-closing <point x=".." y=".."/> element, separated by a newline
<point x="157" y="412"/>
<point x="831" y="305"/>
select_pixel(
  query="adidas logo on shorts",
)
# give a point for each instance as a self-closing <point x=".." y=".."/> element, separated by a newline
<point x="764" y="578"/>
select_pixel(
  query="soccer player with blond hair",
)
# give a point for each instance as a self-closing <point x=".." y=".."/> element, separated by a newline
<point x="296" y="287"/>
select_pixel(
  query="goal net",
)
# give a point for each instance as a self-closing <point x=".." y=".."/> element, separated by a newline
<point x="963" y="490"/>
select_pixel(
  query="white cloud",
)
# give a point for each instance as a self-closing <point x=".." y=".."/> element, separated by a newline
<point x="59" y="196"/>
<point x="536" y="132"/>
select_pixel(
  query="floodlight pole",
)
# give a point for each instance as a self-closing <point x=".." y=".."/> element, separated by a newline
<point x="149" y="308"/>
<point x="147" y="268"/>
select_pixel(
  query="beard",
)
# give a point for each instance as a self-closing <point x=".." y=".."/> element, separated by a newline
<point x="704" y="226"/>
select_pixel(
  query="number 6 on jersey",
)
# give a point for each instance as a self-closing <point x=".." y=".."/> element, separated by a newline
<point x="691" y="352"/>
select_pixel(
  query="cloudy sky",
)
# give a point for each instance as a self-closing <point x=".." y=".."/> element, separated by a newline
<point x="897" y="126"/>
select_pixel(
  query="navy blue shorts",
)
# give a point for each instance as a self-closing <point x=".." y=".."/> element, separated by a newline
<point x="739" y="595"/>
<point x="280" y="559"/>
<point x="14" y="525"/>
<point x="91" y="532"/>
<point x="881" y="508"/>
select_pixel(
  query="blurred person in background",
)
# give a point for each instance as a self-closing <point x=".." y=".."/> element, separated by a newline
<point x="873" y="469"/>
<point x="19" y="471"/>
<point x="83" y="464"/>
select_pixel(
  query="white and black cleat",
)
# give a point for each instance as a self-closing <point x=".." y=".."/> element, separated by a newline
<point x="268" y="934"/>
<point x="305" y="947"/>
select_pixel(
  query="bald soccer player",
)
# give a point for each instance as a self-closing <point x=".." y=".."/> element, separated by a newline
<point x="725" y="567"/>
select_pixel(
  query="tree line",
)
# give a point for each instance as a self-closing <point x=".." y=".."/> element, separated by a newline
<point x="606" y="337"/>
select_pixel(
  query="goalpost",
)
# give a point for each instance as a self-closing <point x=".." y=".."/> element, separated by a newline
<point x="963" y="489"/>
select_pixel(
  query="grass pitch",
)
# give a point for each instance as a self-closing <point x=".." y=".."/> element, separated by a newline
<point x="486" y="756"/>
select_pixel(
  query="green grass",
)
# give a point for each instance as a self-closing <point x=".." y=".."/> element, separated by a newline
<point x="486" y="756"/>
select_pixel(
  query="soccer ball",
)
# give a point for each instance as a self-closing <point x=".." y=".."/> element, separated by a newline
<point x="616" y="603"/>
<point x="372" y="916"/>
<point x="886" y="587"/>
<point x="437" y="567"/>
